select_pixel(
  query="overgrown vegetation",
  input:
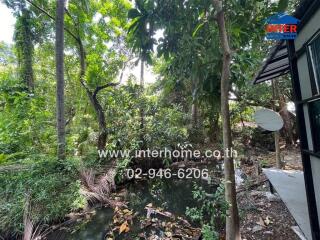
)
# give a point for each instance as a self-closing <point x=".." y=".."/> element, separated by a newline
<point x="212" y="209"/>
<point x="52" y="187"/>
<point x="109" y="107"/>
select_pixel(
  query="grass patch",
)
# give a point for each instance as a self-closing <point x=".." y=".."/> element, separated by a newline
<point x="52" y="187"/>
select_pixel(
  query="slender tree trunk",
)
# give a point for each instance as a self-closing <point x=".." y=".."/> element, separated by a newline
<point x="60" y="78"/>
<point x="142" y="74"/>
<point x="214" y="128"/>
<point x="277" y="147"/>
<point x="142" y="117"/>
<point x="28" y="55"/>
<point x="194" y="114"/>
<point x="232" y="220"/>
<point x="194" y="107"/>
<point x="275" y="96"/>
<point x="102" y="138"/>
<point x="24" y="46"/>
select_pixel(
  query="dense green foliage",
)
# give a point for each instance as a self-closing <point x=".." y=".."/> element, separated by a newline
<point x="51" y="186"/>
<point x="211" y="211"/>
<point x="103" y="40"/>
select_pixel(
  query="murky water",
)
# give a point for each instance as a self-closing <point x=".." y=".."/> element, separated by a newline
<point x="174" y="195"/>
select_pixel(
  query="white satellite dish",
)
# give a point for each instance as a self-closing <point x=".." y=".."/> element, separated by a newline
<point x="268" y="119"/>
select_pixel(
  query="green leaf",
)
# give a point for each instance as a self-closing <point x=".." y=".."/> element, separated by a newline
<point x="133" y="26"/>
<point x="197" y="29"/>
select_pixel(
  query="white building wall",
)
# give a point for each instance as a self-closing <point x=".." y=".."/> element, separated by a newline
<point x="306" y="33"/>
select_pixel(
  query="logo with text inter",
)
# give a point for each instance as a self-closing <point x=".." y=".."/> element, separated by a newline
<point x="281" y="27"/>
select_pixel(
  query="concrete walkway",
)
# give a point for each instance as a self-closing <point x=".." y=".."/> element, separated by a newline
<point x="289" y="184"/>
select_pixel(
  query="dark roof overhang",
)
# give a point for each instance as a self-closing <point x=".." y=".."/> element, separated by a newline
<point x="276" y="64"/>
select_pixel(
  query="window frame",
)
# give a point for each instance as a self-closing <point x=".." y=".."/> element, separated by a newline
<point x="314" y="133"/>
<point x="314" y="81"/>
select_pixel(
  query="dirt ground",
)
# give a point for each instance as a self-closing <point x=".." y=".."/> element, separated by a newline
<point x="263" y="215"/>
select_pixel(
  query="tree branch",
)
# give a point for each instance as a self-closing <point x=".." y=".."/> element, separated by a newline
<point x="70" y="16"/>
<point x="99" y="88"/>
<point x="53" y="18"/>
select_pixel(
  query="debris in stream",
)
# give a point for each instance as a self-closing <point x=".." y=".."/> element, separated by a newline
<point x="155" y="224"/>
<point x="169" y="226"/>
<point x="122" y="219"/>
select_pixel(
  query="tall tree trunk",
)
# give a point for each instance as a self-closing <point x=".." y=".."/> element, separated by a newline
<point x="142" y="74"/>
<point x="277" y="147"/>
<point x="24" y="47"/>
<point x="142" y="117"/>
<point x="194" y="107"/>
<point x="102" y="138"/>
<point x="60" y="78"/>
<point x="194" y="114"/>
<point x="275" y="96"/>
<point x="232" y="220"/>
<point x="214" y="128"/>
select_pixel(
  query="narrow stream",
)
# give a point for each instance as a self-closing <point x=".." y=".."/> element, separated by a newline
<point x="173" y="195"/>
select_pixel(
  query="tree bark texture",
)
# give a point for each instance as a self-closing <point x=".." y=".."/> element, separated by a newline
<point x="232" y="219"/>
<point x="60" y="78"/>
<point x="24" y="47"/>
<point x="142" y="113"/>
<point x="275" y="96"/>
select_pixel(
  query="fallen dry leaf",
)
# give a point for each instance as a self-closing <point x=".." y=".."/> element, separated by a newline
<point x="123" y="227"/>
<point x="126" y="211"/>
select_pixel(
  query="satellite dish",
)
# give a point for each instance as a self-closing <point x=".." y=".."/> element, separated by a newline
<point x="268" y="119"/>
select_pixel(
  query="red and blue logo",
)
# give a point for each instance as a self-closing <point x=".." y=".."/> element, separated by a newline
<point x="281" y="27"/>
